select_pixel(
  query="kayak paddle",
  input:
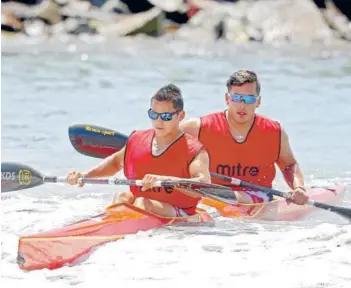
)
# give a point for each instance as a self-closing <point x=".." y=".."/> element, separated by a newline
<point x="16" y="176"/>
<point x="342" y="211"/>
<point x="96" y="141"/>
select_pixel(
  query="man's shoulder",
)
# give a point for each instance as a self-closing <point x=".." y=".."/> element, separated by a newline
<point x="212" y="119"/>
<point x="266" y="118"/>
<point x="213" y="114"/>
<point x="268" y="124"/>
<point x="192" y="143"/>
<point x="140" y="133"/>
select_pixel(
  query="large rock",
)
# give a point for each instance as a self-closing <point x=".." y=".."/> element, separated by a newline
<point x="270" y="21"/>
<point x="296" y="21"/>
<point x="341" y="23"/>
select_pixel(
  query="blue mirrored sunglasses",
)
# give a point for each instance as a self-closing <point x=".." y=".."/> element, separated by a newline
<point x="165" y="116"/>
<point x="247" y="99"/>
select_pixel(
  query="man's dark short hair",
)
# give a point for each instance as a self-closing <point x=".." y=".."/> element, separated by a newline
<point x="241" y="77"/>
<point x="170" y="93"/>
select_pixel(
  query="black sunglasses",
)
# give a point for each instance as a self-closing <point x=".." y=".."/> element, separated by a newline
<point x="165" y="116"/>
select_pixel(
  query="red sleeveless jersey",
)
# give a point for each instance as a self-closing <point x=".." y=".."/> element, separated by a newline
<point x="252" y="160"/>
<point x="175" y="161"/>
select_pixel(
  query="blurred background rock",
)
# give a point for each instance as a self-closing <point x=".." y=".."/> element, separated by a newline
<point x="302" y="22"/>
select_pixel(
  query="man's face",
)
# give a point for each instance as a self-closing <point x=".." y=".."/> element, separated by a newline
<point x="242" y="102"/>
<point x="165" y="119"/>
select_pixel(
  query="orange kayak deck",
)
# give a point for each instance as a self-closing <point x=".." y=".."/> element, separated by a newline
<point x="278" y="210"/>
<point x="64" y="246"/>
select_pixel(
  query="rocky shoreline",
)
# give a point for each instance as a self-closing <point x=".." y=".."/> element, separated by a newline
<point x="301" y="22"/>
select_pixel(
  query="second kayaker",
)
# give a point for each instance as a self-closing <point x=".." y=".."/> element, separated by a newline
<point x="246" y="145"/>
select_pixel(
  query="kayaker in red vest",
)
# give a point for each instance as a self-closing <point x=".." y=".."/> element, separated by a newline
<point x="163" y="150"/>
<point x="245" y="145"/>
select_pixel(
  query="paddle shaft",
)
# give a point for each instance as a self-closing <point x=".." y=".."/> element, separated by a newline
<point x="112" y="181"/>
<point x="276" y="193"/>
<point x="288" y="196"/>
<point x="217" y="192"/>
<point x="108" y="181"/>
<point x="238" y="182"/>
<point x="213" y="191"/>
<point x="17" y="176"/>
<point x="342" y="211"/>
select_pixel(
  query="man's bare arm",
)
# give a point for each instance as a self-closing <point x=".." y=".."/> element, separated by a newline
<point x="199" y="171"/>
<point x="289" y="165"/>
<point x="199" y="168"/>
<point x="108" y="167"/>
<point x="191" y="126"/>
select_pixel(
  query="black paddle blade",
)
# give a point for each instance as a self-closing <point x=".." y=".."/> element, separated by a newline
<point x="15" y="176"/>
<point x="96" y="141"/>
<point x="222" y="195"/>
<point x="342" y="211"/>
<point x="197" y="185"/>
<point x="215" y="191"/>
